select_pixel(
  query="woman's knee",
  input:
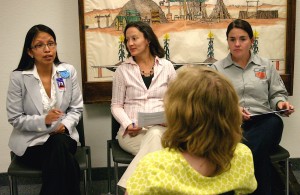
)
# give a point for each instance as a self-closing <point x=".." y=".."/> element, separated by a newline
<point x="61" y="142"/>
<point x="156" y="130"/>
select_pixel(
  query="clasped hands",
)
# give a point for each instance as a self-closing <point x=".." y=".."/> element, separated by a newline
<point x="52" y="116"/>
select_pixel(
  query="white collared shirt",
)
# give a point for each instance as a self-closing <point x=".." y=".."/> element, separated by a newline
<point x="48" y="102"/>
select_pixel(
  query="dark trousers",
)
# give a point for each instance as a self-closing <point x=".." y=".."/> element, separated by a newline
<point x="262" y="135"/>
<point x="60" y="170"/>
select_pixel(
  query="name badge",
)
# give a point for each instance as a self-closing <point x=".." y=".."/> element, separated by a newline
<point x="61" y="84"/>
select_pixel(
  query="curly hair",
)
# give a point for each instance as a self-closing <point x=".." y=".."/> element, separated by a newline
<point x="203" y="116"/>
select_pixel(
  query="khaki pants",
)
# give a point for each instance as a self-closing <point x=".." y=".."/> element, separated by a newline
<point x="149" y="140"/>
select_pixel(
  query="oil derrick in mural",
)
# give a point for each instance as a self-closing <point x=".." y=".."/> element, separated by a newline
<point x="191" y="9"/>
<point x="255" y="43"/>
<point x="196" y="9"/>
<point x="210" y="49"/>
<point x="121" y="52"/>
<point x="220" y="11"/>
<point x="166" y="45"/>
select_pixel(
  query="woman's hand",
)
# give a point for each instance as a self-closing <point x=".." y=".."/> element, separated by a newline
<point x="132" y="130"/>
<point x="53" y="115"/>
<point x="245" y="113"/>
<point x="60" y="129"/>
<point x="285" y="106"/>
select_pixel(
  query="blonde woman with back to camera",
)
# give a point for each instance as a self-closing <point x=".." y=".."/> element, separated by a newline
<point x="202" y="151"/>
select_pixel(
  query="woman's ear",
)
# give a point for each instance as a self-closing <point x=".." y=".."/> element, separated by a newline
<point x="29" y="52"/>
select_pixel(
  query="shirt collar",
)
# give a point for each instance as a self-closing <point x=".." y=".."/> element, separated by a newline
<point x="36" y="75"/>
<point x="130" y="60"/>
<point x="254" y="59"/>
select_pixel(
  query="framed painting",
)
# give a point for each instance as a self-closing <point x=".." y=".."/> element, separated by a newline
<point x="191" y="32"/>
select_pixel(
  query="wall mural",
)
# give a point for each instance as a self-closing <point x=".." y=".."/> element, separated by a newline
<point x="191" y="32"/>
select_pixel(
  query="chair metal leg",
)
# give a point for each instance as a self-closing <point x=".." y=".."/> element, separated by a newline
<point x="108" y="168"/>
<point x="116" y="177"/>
<point x="89" y="173"/>
<point x="85" y="188"/>
<point x="13" y="186"/>
<point x="287" y="176"/>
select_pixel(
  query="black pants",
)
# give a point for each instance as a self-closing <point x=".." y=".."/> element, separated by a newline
<point x="60" y="170"/>
<point x="262" y="135"/>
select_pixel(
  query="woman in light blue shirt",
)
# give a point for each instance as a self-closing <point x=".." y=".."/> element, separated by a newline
<point x="261" y="90"/>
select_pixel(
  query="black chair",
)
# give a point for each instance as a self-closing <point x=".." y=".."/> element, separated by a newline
<point x="281" y="154"/>
<point x="82" y="155"/>
<point x="118" y="155"/>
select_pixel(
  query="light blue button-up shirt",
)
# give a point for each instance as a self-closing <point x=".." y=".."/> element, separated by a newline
<point x="259" y="85"/>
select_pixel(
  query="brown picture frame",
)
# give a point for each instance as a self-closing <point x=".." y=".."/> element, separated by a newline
<point x="101" y="92"/>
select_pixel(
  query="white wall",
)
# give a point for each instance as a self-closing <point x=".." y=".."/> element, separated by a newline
<point x="16" y="17"/>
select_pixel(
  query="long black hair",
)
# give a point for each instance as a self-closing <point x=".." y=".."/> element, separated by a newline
<point x="155" y="48"/>
<point x="26" y="62"/>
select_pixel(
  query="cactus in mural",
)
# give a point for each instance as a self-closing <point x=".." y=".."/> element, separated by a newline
<point x="121" y="48"/>
<point x="166" y="45"/>
<point x="255" y="43"/>
<point x="210" y="49"/>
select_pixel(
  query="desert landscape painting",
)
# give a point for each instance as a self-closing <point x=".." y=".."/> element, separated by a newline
<point x="193" y="31"/>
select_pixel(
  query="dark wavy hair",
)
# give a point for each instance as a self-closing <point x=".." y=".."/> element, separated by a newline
<point x="26" y="62"/>
<point x="241" y="24"/>
<point x="155" y="48"/>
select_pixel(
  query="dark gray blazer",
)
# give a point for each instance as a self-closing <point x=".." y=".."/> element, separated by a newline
<point x="25" y="108"/>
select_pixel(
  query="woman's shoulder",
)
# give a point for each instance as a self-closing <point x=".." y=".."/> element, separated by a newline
<point x="160" y="156"/>
<point x="65" y="66"/>
<point x="242" y="154"/>
<point x="16" y="75"/>
<point x="164" y="61"/>
<point x="261" y="60"/>
<point x="242" y="149"/>
<point x="223" y="62"/>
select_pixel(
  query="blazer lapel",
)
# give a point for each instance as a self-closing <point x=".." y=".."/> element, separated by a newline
<point x="33" y="88"/>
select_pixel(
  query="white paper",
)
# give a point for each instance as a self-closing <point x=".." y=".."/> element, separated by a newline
<point x="271" y="112"/>
<point x="154" y="118"/>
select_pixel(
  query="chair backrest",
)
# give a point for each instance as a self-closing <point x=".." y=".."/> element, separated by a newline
<point x="80" y="129"/>
<point x="114" y="127"/>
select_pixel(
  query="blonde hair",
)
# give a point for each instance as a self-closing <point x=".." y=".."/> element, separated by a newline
<point x="203" y="116"/>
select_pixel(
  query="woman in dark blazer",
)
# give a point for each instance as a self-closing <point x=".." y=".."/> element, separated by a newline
<point x="44" y="105"/>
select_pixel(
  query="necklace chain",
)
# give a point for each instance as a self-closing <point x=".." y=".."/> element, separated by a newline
<point x="147" y="74"/>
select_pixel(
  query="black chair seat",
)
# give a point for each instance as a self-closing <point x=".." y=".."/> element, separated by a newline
<point x="16" y="169"/>
<point x="80" y="157"/>
<point x="83" y="156"/>
<point x="279" y="154"/>
<point x="119" y="155"/>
